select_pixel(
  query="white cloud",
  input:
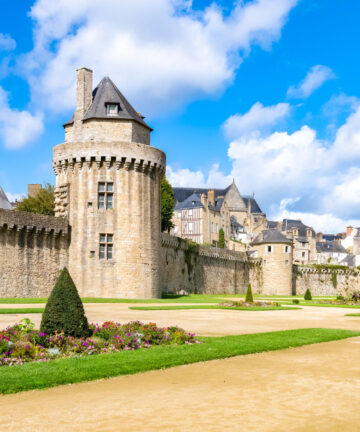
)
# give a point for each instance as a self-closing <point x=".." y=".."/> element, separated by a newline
<point x="256" y="119"/>
<point x="12" y="197"/>
<point x="162" y="53"/>
<point x="187" y="178"/>
<point x="17" y="128"/>
<point x="314" y="79"/>
<point x="7" y="43"/>
<point x="296" y="175"/>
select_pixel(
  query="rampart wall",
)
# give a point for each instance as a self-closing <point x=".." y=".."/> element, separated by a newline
<point x="205" y="269"/>
<point x="326" y="281"/>
<point x="33" y="248"/>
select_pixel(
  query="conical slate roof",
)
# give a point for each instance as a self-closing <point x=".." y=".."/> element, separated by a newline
<point x="106" y="92"/>
<point x="270" y="236"/>
<point x="4" y="202"/>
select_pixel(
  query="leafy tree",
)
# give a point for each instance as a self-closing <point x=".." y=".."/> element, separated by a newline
<point x="167" y="205"/>
<point x="249" y="295"/>
<point x="308" y="295"/>
<point x="64" y="310"/>
<point x="43" y="202"/>
<point x="221" y="242"/>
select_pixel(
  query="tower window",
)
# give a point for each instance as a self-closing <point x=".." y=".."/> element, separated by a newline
<point x="112" y="109"/>
<point x="105" y="195"/>
<point x="106" y="246"/>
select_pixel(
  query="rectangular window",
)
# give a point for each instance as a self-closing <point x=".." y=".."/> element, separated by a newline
<point x="175" y="229"/>
<point x="112" y="109"/>
<point x="217" y="228"/>
<point x="190" y="226"/>
<point x="179" y="215"/>
<point x="269" y="249"/>
<point x="105" y="195"/>
<point x="212" y="226"/>
<point x="106" y="246"/>
<point x="190" y="212"/>
<point x="286" y="262"/>
<point x="287" y="249"/>
<point x="303" y="254"/>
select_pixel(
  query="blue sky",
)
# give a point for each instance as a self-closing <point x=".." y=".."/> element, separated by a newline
<point x="266" y="92"/>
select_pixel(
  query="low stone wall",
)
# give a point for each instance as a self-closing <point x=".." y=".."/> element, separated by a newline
<point x="204" y="269"/>
<point x="33" y="248"/>
<point x="326" y="281"/>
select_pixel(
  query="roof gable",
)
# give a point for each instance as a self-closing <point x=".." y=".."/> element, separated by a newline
<point x="4" y="202"/>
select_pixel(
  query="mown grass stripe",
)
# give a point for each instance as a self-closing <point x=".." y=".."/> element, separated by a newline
<point x="21" y="311"/>
<point x="32" y="376"/>
<point x="185" y="307"/>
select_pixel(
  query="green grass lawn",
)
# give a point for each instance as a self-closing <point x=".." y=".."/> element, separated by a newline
<point x="184" y="307"/>
<point x="353" y="315"/>
<point x="32" y="376"/>
<point x="21" y="310"/>
<point x="313" y="303"/>
<point x="192" y="298"/>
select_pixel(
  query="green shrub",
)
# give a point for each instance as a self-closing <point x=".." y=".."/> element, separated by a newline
<point x="221" y="242"/>
<point x="308" y="295"/>
<point x="249" y="296"/>
<point x="64" y="311"/>
<point x="296" y="301"/>
<point x="340" y="297"/>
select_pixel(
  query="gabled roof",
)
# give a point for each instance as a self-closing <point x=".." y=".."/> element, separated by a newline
<point x="271" y="236"/>
<point x="288" y="224"/>
<point x="193" y="201"/>
<point x="181" y="193"/>
<point x="4" y="202"/>
<point x="330" y="247"/>
<point x="107" y="92"/>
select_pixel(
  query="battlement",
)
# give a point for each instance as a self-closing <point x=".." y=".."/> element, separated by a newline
<point x="12" y="219"/>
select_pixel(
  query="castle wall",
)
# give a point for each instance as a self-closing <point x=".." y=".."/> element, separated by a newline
<point x="326" y="281"/>
<point x="205" y="269"/>
<point x="33" y="249"/>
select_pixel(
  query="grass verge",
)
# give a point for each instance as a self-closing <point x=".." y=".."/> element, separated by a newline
<point x="184" y="307"/>
<point x="31" y="376"/>
<point x="309" y="303"/>
<point x="21" y="310"/>
<point x="353" y="315"/>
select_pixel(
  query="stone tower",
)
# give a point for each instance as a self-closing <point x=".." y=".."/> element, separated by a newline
<point x="108" y="186"/>
<point x="276" y="252"/>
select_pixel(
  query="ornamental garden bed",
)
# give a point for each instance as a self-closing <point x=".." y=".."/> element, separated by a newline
<point x="22" y="343"/>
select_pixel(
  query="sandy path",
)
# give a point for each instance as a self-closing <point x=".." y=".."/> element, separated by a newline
<point x="216" y="322"/>
<point x="313" y="389"/>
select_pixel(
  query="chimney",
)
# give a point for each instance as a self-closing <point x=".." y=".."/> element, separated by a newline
<point x="211" y="197"/>
<point x="33" y="189"/>
<point x="84" y="86"/>
<point x="349" y="231"/>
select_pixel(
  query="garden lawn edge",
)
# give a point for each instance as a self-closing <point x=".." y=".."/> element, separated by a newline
<point x="185" y="307"/>
<point x="31" y="376"/>
<point x="11" y="311"/>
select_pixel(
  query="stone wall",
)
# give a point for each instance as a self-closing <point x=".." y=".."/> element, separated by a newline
<point x="33" y="249"/>
<point x="326" y="281"/>
<point x="205" y="269"/>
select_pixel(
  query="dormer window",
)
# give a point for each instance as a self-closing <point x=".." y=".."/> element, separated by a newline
<point x="112" y="109"/>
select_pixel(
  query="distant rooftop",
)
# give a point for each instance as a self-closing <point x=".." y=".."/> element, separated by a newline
<point x="4" y="202"/>
<point x="271" y="236"/>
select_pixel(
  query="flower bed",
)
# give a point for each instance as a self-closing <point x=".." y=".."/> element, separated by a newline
<point x="22" y="343"/>
<point x="244" y="304"/>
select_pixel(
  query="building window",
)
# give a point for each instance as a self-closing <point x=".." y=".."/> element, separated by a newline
<point x="287" y="249"/>
<point x="190" y="212"/>
<point x="269" y="248"/>
<point x="212" y="226"/>
<point x="286" y="261"/>
<point x="112" y="109"/>
<point x="105" y="195"/>
<point x="303" y="244"/>
<point x="217" y="228"/>
<point x="106" y="246"/>
<point x="175" y="229"/>
<point x="190" y="226"/>
<point x="179" y="215"/>
<point x="303" y="254"/>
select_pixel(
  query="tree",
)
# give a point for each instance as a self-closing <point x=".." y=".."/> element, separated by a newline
<point x="64" y="310"/>
<point x="43" y="202"/>
<point x="249" y="295"/>
<point x="308" y="295"/>
<point x="167" y="205"/>
<point x="221" y="242"/>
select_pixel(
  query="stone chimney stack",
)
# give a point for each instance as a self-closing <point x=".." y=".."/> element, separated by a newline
<point x="34" y="189"/>
<point x="84" y="85"/>
<point x="211" y="197"/>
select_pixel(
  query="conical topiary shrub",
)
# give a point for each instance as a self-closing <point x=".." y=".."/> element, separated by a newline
<point x="308" y="295"/>
<point x="249" y="296"/>
<point x="64" y="310"/>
